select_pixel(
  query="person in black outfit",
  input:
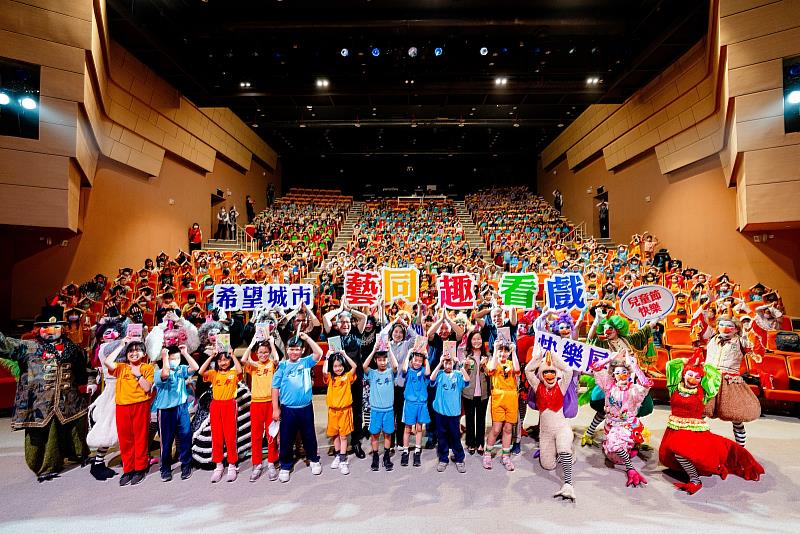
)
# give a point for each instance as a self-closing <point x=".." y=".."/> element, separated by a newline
<point x="250" y="206"/>
<point x="558" y="200"/>
<point x="603" y="216"/>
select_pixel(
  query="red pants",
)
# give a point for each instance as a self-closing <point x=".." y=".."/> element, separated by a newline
<point x="223" y="430"/>
<point x="260" y="418"/>
<point x="133" y="421"/>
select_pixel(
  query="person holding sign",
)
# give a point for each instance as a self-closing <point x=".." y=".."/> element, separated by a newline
<point x="447" y="410"/>
<point x="612" y="333"/>
<point x="688" y="444"/>
<point x="261" y="371"/>
<point x="339" y="373"/>
<point x="625" y="387"/>
<point x="550" y="379"/>
<point x="223" y="411"/>
<point x="503" y="368"/>
<point x="291" y="404"/>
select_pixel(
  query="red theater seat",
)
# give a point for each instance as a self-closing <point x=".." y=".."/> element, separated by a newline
<point x="775" y="379"/>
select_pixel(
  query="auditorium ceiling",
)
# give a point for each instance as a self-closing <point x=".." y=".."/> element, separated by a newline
<point x="412" y="92"/>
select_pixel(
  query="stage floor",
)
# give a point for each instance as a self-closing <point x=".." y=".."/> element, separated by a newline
<point x="417" y="499"/>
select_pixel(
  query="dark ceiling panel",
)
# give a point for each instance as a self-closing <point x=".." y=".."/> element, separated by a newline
<point x="545" y="50"/>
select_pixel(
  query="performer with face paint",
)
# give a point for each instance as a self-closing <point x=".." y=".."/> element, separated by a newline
<point x="613" y="333"/>
<point x="550" y="379"/>
<point x="688" y="444"/>
<point x="52" y="395"/>
<point x="623" y="398"/>
<point x="735" y="401"/>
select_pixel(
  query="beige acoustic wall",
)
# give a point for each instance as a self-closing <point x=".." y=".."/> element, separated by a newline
<point x="691" y="211"/>
<point x="129" y="218"/>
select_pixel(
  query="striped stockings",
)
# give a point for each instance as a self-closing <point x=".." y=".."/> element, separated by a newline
<point x="598" y="418"/>
<point x="739" y="433"/>
<point x="690" y="469"/>
<point x="566" y="463"/>
<point x="626" y="457"/>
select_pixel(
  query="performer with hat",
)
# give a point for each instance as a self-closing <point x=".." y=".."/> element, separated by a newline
<point x="688" y="444"/>
<point x="52" y="394"/>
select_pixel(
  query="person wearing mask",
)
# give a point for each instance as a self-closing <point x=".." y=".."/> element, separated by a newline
<point x="195" y="238"/>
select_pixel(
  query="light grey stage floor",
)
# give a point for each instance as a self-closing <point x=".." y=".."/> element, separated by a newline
<point x="417" y="499"/>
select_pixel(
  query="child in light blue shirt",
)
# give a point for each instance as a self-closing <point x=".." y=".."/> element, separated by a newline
<point x="381" y="402"/>
<point x="447" y="411"/>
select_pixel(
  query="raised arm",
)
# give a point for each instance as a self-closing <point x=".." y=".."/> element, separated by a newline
<point x="361" y="319"/>
<point x="436" y="325"/>
<point x="164" y="364"/>
<point x="193" y="367"/>
<point x="316" y="350"/>
<point x="326" y="319"/>
<point x="111" y="359"/>
<point x="530" y="372"/>
<point x="436" y="370"/>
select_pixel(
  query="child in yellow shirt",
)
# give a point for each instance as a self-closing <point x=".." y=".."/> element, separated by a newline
<point x="503" y="369"/>
<point x="223" y="411"/>
<point x="339" y="372"/>
<point x="134" y="382"/>
<point x="261" y="371"/>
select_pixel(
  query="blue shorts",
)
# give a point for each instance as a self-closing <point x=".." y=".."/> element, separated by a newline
<point x="381" y="421"/>
<point x="415" y="412"/>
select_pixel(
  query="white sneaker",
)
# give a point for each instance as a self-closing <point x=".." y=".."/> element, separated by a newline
<point x="233" y="472"/>
<point x="272" y="472"/>
<point x="316" y="468"/>
<point x="335" y="463"/>
<point x="256" y="474"/>
<point x="344" y="468"/>
<point x="216" y="476"/>
<point x="283" y="476"/>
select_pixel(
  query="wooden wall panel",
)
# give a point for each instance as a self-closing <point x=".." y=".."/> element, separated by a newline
<point x="755" y="22"/>
<point x="772" y="165"/>
<point x="781" y="44"/>
<point x="34" y="206"/>
<point x="763" y="209"/>
<point x="81" y="9"/>
<point x="759" y="105"/>
<point x="41" y="52"/>
<point x="757" y="77"/>
<point x="44" y="24"/>
<point x="19" y="167"/>
<point x="729" y="7"/>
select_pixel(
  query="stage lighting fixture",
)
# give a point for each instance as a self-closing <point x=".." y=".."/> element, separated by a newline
<point x="376" y="51"/>
<point x="345" y="52"/>
<point x="500" y="81"/>
<point x="791" y="98"/>
<point x="4" y="99"/>
<point x="412" y="52"/>
<point x="484" y="51"/>
<point x="322" y="82"/>
<point x="438" y="51"/>
<point x="28" y="103"/>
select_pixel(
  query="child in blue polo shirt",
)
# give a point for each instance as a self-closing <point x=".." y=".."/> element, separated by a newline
<point x="291" y="404"/>
<point x="381" y="402"/>
<point x="447" y="411"/>
<point x="415" y="405"/>
<point x="172" y="405"/>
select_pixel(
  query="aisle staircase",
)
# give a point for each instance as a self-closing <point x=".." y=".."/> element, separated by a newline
<point x="243" y="242"/>
<point x="342" y="238"/>
<point x="471" y="233"/>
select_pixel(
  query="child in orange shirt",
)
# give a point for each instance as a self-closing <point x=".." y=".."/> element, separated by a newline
<point x="223" y="411"/>
<point x="503" y="368"/>
<point x="134" y="382"/>
<point x="261" y="371"/>
<point x="339" y="373"/>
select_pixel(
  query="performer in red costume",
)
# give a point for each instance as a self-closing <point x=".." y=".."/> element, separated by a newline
<point x="688" y="444"/>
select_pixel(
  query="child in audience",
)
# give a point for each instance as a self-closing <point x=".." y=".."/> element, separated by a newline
<point x="223" y="411"/>
<point x="172" y="406"/>
<point x="339" y="373"/>
<point x="291" y="404"/>
<point x="447" y="411"/>
<point x="134" y="382"/>
<point x="503" y="368"/>
<point x="415" y="405"/>
<point x="381" y="400"/>
<point x="261" y="371"/>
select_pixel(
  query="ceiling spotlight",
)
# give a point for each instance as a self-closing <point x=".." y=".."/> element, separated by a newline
<point x="592" y="80"/>
<point x="412" y="52"/>
<point x="484" y="51"/>
<point x="791" y="98"/>
<point x="28" y="103"/>
<point x="4" y="99"/>
<point x="302" y="125"/>
<point x="244" y="85"/>
<point x="322" y="82"/>
<point x="438" y="51"/>
<point x="500" y="81"/>
<point x="560" y="124"/>
<point x="345" y="52"/>
<point x="516" y="124"/>
<point x="376" y="51"/>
